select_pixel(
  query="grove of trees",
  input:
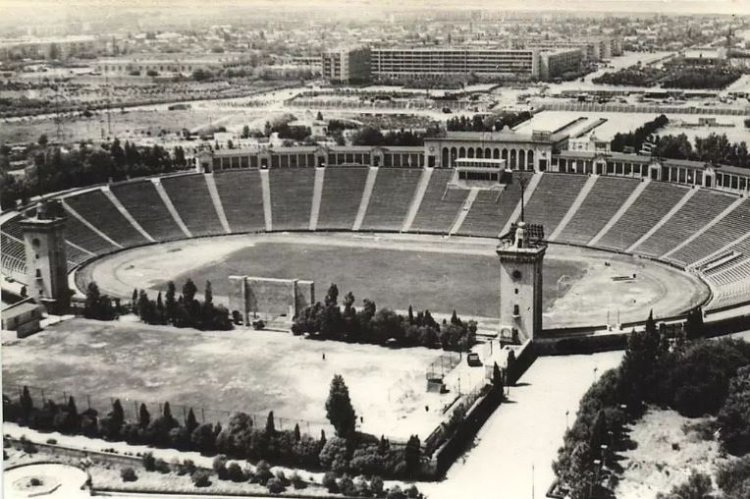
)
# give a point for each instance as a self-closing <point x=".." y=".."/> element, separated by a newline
<point x="715" y="149"/>
<point x="637" y="138"/>
<point x="183" y="310"/>
<point x="694" y="376"/>
<point x="369" y="325"/>
<point x="482" y="123"/>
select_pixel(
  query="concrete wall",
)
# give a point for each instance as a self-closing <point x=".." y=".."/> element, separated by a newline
<point x="268" y="298"/>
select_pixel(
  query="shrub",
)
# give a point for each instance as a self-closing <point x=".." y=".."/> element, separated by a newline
<point x="219" y="466"/>
<point x="52" y="441"/>
<point x="35" y="482"/>
<point x="346" y="486"/>
<point x="29" y="447"/>
<point x="149" y="463"/>
<point x="376" y="485"/>
<point x="128" y="475"/>
<point x="200" y="478"/>
<point x="280" y="476"/>
<point x="263" y="472"/>
<point x="234" y="473"/>
<point x="329" y="482"/>
<point x="161" y="466"/>
<point x="275" y="486"/>
<point x="297" y="482"/>
<point x="395" y="493"/>
<point x="413" y="492"/>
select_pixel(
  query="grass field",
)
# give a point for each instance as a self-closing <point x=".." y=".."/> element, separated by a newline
<point x="241" y="370"/>
<point x="436" y="281"/>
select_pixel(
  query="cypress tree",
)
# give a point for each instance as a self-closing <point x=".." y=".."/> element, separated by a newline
<point x="270" y="425"/>
<point x="191" y="423"/>
<point x="27" y="405"/>
<point x="144" y="418"/>
<point x="297" y="434"/>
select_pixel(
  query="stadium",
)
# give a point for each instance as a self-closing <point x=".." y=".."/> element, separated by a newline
<point x="621" y="240"/>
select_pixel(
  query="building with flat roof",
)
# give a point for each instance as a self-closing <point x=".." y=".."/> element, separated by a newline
<point x="347" y="65"/>
<point x="182" y="65"/>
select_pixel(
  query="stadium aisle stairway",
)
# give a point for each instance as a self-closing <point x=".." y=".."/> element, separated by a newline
<point x="552" y="198"/>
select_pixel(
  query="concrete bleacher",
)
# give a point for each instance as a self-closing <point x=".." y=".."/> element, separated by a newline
<point x="654" y="202"/>
<point x="291" y="197"/>
<point x="440" y="204"/>
<point x="14" y="253"/>
<point x="242" y="198"/>
<point x="391" y="196"/>
<point x="190" y="197"/>
<point x="701" y="208"/>
<point x="81" y="235"/>
<point x="484" y="217"/>
<point x="552" y="198"/>
<point x="601" y="203"/>
<point x="75" y="256"/>
<point x="97" y="209"/>
<point x="146" y="207"/>
<point x="734" y="225"/>
<point x="341" y="196"/>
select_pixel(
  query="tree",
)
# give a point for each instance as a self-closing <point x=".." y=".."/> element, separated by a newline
<point x="27" y="405"/>
<point x="245" y="132"/>
<point x="189" y="290"/>
<point x="412" y="454"/>
<point x="190" y="422"/>
<point x="694" y="328"/>
<point x="734" y="416"/>
<point x="170" y="300"/>
<point x="270" y="426"/>
<point x="203" y="439"/>
<point x="339" y="408"/>
<point x="698" y="486"/>
<point x="144" y="418"/>
<point x="297" y="434"/>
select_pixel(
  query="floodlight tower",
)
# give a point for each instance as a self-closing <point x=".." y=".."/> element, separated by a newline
<point x="521" y="254"/>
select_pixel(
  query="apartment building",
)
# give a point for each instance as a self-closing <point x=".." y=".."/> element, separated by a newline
<point x="347" y="65"/>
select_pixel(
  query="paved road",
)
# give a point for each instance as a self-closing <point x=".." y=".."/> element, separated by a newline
<point x="525" y="432"/>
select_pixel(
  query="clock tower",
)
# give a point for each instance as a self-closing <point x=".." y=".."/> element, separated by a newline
<point x="521" y="253"/>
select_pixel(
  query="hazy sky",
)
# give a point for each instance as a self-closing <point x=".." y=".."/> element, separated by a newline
<point x="24" y="11"/>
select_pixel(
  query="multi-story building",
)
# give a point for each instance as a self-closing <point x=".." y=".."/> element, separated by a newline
<point x="347" y="65"/>
<point x="438" y="62"/>
<point x="50" y="48"/>
<point x="141" y="66"/>
<point x="557" y="63"/>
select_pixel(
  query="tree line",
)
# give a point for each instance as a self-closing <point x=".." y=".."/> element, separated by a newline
<point x="681" y="371"/>
<point x="371" y="136"/>
<point x="328" y="320"/>
<point x="715" y="149"/>
<point x="348" y="451"/>
<point x="638" y="137"/>
<point x="487" y="123"/>
<point x="56" y="168"/>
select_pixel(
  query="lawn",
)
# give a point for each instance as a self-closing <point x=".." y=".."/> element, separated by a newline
<point x="440" y="282"/>
<point x="216" y="373"/>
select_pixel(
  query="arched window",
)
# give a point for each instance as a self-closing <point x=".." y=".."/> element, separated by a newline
<point x="462" y="153"/>
<point x="496" y="153"/>
<point x="480" y="153"/>
<point x="471" y="152"/>
<point x="445" y="159"/>
<point x="530" y="159"/>
<point x="521" y="159"/>
<point x="487" y="153"/>
<point x="516" y="310"/>
<point x="513" y="164"/>
<point x="505" y="154"/>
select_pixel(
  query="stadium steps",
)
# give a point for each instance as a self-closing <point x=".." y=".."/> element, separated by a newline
<point x="552" y="197"/>
<point x="216" y="200"/>
<point x="141" y="199"/>
<point x="265" y="185"/>
<point x="620" y="212"/>
<point x="528" y="192"/>
<point x="89" y="225"/>
<point x="126" y="214"/>
<point x="372" y="175"/>
<point x="424" y="181"/>
<point x="723" y="249"/>
<point x="729" y="209"/>
<point x="464" y="210"/>
<point x="391" y="197"/>
<point x="170" y="207"/>
<point x="95" y="207"/>
<point x="342" y="197"/>
<point x="320" y="176"/>
<point x="666" y="218"/>
<point x="190" y="197"/>
<point x="291" y="197"/>
<point x="80" y="249"/>
<point x="241" y="197"/>
<point x="577" y="202"/>
<point x="440" y="204"/>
